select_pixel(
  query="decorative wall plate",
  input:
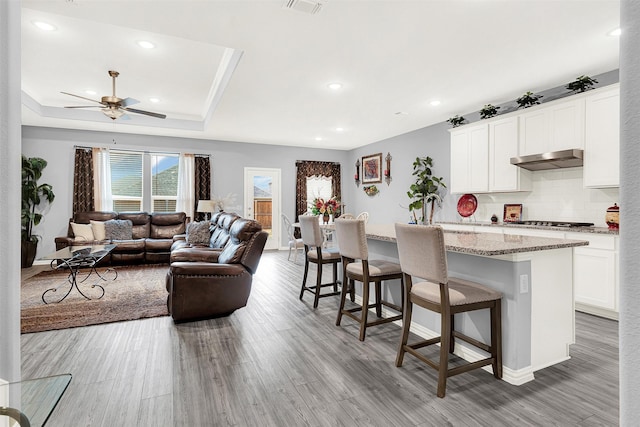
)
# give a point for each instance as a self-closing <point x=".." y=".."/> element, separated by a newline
<point x="371" y="190"/>
<point x="467" y="205"/>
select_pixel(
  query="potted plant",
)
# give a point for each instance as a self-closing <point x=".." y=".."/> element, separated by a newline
<point x="456" y="121"/>
<point x="488" y="111"/>
<point x="425" y="189"/>
<point x="32" y="196"/>
<point x="581" y="84"/>
<point x="528" y="99"/>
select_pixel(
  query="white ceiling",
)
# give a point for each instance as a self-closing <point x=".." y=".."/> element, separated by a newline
<point x="253" y="71"/>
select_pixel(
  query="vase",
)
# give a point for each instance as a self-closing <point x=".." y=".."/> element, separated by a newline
<point x="325" y="218"/>
<point x="28" y="253"/>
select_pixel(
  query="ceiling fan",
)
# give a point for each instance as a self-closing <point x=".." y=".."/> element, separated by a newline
<point x="114" y="107"/>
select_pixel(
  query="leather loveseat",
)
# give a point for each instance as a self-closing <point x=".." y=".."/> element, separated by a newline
<point x="149" y="241"/>
<point x="214" y="279"/>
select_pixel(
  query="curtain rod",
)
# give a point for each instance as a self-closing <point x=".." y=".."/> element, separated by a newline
<point x="139" y="151"/>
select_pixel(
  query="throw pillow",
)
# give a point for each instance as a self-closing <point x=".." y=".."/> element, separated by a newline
<point x="118" y="229"/>
<point x="198" y="233"/>
<point x="99" y="231"/>
<point x="82" y="232"/>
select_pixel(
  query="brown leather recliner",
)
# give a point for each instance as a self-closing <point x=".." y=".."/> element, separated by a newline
<point x="202" y="289"/>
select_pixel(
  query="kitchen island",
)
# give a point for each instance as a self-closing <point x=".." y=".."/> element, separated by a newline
<point x="534" y="274"/>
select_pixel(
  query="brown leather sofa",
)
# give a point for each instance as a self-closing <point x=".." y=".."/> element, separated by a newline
<point x="151" y="240"/>
<point x="214" y="280"/>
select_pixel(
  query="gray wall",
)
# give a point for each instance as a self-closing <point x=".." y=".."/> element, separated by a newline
<point x="228" y="160"/>
<point x="10" y="99"/>
<point x="390" y="205"/>
<point x="629" y="217"/>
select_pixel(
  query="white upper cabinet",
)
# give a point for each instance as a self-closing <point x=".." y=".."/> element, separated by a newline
<point x="503" y="145"/>
<point x="470" y="159"/>
<point x="559" y="126"/>
<point x="602" y="139"/>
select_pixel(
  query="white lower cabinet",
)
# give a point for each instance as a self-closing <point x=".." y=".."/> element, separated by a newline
<point x="595" y="275"/>
<point x="595" y="267"/>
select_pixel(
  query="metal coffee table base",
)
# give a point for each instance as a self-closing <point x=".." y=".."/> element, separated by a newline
<point x="74" y="270"/>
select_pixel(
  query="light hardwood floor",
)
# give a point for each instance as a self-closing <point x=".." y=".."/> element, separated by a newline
<point x="279" y="362"/>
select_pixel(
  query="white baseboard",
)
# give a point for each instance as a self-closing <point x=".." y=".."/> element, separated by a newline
<point x="596" y="311"/>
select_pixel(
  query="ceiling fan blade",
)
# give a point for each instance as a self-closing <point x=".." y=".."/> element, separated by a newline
<point x="128" y="101"/>
<point x="82" y="97"/>
<point x="83" y="106"/>
<point x="146" y="113"/>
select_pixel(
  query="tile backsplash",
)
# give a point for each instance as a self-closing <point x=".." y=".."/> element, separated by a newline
<point x="556" y="194"/>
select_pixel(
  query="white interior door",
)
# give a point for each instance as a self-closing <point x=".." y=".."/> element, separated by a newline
<point x="262" y="201"/>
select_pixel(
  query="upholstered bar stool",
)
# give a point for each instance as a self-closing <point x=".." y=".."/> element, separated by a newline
<point x="356" y="265"/>
<point x="315" y="253"/>
<point x="422" y="254"/>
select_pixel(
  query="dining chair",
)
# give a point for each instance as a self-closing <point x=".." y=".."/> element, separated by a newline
<point x="347" y="216"/>
<point x="422" y="254"/>
<point x="356" y="265"/>
<point x="316" y="253"/>
<point x="294" y="243"/>
<point x="363" y="216"/>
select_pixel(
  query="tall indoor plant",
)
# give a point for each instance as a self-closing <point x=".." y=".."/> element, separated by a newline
<point x="425" y="189"/>
<point x="33" y="194"/>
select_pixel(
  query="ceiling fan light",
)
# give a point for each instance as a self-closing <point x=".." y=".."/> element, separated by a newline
<point x="113" y="113"/>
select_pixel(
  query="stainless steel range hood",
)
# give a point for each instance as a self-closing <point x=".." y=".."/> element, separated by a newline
<point x="551" y="160"/>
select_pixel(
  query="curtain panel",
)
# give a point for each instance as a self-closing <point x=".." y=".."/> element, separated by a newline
<point x="202" y="184"/>
<point x="307" y="168"/>
<point x="83" y="181"/>
<point x="186" y="180"/>
<point x="102" y="197"/>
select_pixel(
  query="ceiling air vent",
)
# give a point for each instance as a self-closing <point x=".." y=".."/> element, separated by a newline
<point x="305" y="6"/>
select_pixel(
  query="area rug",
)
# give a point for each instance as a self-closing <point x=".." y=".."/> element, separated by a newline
<point x="138" y="292"/>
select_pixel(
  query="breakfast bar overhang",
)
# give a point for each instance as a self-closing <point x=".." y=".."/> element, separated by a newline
<point x="535" y="276"/>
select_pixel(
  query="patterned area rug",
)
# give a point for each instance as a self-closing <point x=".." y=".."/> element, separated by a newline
<point x="138" y="292"/>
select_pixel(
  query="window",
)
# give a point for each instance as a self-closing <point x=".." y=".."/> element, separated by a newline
<point x="318" y="186"/>
<point x="164" y="182"/>
<point x="126" y="181"/>
<point x="144" y="181"/>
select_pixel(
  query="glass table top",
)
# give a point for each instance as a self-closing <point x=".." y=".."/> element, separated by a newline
<point x="37" y="398"/>
<point x="81" y="251"/>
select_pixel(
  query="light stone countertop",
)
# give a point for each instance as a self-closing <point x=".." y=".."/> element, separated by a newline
<point x="593" y="230"/>
<point x="485" y="244"/>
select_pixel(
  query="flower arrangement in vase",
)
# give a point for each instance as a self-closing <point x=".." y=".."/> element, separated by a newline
<point x="326" y="208"/>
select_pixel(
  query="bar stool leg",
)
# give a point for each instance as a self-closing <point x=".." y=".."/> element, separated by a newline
<point x="304" y="276"/>
<point x="378" y="299"/>
<point x="318" y="285"/>
<point x="365" y="309"/>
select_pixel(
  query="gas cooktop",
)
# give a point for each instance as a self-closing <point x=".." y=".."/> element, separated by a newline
<point x="555" y="223"/>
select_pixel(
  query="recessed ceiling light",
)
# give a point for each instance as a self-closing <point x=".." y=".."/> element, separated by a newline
<point x="339" y="129"/>
<point x="434" y="103"/>
<point x="615" y="33"/>
<point x="44" y="26"/>
<point x="146" y="44"/>
<point x="401" y="113"/>
<point x="318" y="138"/>
<point x="154" y="100"/>
<point x="90" y="92"/>
<point x="335" y="86"/>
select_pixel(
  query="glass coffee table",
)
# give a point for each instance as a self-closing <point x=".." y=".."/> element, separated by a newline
<point x="31" y="402"/>
<point x="81" y="261"/>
